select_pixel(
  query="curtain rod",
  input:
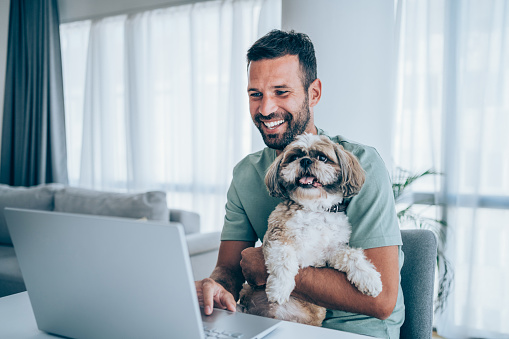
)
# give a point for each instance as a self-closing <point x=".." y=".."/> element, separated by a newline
<point x="133" y="10"/>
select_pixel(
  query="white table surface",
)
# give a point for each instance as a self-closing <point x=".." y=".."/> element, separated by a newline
<point x="17" y="322"/>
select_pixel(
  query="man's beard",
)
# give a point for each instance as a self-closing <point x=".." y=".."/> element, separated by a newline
<point x="297" y="124"/>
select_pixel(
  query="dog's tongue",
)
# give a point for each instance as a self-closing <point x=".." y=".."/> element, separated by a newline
<point x="309" y="181"/>
<point x="306" y="180"/>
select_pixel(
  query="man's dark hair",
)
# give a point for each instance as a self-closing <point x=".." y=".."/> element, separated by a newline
<point x="279" y="43"/>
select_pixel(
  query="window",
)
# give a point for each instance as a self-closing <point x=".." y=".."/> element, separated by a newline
<point x="452" y="116"/>
<point x="157" y="101"/>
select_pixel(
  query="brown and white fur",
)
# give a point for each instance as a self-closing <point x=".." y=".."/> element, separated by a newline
<point x="312" y="175"/>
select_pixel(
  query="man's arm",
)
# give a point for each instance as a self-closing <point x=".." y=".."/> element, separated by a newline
<point x="340" y="294"/>
<point x="222" y="288"/>
<point x="329" y="288"/>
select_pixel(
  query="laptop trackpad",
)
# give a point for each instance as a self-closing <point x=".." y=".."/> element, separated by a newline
<point x="238" y="325"/>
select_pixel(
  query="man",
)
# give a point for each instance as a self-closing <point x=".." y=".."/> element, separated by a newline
<point x="283" y="89"/>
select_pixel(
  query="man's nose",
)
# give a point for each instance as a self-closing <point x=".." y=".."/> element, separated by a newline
<point x="267" y="106"/>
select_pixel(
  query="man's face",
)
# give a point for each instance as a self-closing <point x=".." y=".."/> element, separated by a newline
<point x="278" y="102"/>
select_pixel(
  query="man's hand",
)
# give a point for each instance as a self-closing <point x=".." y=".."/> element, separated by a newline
<point x="212" y="294"/>
<point x="253" y="266"/>
<point x="222" y="288"/>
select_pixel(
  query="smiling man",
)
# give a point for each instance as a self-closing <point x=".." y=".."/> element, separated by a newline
<point x="276" y="89"/>
<point x="283" y="89"/>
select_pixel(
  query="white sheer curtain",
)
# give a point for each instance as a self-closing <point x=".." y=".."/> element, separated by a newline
<point x="453" y="116"/>
<point x="164" y="103"/>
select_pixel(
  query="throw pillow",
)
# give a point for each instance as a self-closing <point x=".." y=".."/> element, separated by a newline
<point x="37" y="197"/>
<point x="150" y="205"/>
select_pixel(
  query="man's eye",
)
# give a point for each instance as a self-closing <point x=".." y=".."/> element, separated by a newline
<point x="322" y="158"/>
<point x="281" y="92"/>
<point x="255" y="95"/>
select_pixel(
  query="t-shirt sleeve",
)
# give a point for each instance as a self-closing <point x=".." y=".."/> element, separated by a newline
<point x="372" y="212"/>
<point x="236" y="223"/>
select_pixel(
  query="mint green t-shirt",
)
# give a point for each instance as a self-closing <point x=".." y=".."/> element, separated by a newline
<point x="371" y="213"/>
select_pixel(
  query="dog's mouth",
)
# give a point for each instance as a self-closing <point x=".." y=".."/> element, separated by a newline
<point x="308" y="182"/>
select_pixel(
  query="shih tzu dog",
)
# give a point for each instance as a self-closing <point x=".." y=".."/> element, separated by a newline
<point x="313" y="175"/>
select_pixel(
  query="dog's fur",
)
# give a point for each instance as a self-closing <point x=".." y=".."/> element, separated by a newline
<point x="312" y="174"/>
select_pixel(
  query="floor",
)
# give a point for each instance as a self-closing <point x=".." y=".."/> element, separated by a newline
<point x="436" y="336"/>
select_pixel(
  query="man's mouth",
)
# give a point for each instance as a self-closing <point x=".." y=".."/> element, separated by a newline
<point x="308" y="182"/>
<point x="273" y="124"/>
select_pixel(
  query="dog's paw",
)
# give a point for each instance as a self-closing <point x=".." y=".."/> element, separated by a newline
<point x="370" y="283"/>
<point x="278" y="298"/>
<point x="279" y="291"/>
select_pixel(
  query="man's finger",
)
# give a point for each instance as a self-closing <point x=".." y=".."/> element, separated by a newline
<point x="199" y="292"/>
<point x="231" y="305"/>
<point x="208" y="291"/>
<point x="225" y="300"/>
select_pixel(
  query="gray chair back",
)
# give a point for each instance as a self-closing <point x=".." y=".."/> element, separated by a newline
<point x="417" y="281"/>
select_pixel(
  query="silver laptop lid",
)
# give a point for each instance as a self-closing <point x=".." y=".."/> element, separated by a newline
<point x="100" y="277"/>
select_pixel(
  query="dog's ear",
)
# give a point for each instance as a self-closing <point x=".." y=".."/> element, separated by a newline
<point x="272" y="179"/>
<point x="352" y="173"/>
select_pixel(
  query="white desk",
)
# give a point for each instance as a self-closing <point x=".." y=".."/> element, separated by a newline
<point x="17" y="322"/>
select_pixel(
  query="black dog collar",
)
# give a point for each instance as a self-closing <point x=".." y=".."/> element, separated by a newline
<point x="337" y="208"/>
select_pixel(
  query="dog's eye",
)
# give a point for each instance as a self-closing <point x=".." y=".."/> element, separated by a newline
<point x="322" y="158"/>
<point x="293" y="158"/>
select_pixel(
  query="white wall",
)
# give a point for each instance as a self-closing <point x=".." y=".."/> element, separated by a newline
<point x="4" y="32"/>
<point x="354" y="45"/>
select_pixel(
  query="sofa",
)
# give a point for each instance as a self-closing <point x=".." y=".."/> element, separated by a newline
<point x="203" y="247"/>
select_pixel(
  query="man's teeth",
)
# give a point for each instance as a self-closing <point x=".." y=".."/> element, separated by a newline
<point x="273" y="124"/>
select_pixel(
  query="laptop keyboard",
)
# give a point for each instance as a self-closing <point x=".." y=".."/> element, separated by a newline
<point x="211" y="332"/>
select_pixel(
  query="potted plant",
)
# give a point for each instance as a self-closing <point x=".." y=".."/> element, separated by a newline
<point x="410" y="216"/>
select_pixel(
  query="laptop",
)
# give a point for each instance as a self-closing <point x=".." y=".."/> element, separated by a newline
<point x="104" y="277"/>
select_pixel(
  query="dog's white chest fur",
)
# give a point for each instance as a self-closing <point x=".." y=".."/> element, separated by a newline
<point x="299" y="237"/>
<point x="315" y="235"/>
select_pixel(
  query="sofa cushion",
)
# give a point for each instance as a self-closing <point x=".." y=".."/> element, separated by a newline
<point x="190" y="220"/>
<point x="9" y="267"/>
<point x="11" y="280"/>
<point x="150" y="205"/>
<point x="198" y="243"/>
<point x="37" y="197"/>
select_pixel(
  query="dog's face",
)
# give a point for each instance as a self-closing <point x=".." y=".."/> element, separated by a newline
<point x="313" y="167"/>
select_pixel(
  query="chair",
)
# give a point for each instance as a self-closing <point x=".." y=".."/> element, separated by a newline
<point x="417" y="281"/>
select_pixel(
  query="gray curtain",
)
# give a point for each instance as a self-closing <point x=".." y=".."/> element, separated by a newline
<point x="33" y="131"/>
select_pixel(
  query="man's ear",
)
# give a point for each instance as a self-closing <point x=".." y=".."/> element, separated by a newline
<point x="272" y="179"/>
<point x="315" y="92"/>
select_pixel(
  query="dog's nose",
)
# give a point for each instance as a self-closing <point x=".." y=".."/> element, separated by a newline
<point x="306" y="162"/>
